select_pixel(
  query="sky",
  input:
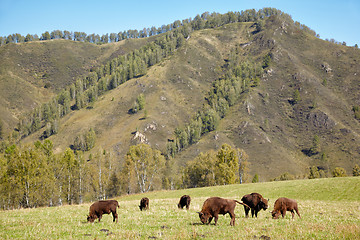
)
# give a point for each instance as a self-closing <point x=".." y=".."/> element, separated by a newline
<point x="330" y="19"/>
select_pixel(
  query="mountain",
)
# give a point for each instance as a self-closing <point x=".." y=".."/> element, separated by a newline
<point x="308" y="90"/>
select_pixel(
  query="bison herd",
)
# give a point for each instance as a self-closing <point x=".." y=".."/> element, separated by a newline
<point x="211" y="208"/>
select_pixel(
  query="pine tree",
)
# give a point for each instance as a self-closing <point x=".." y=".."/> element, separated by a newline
<point x="315" y="148"/>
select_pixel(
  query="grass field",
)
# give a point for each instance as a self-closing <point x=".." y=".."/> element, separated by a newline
<point x="330" y="209"/>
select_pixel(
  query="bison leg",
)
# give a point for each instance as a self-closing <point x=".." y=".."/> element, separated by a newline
<point x="297" y="211"/>
<point x="254" y="212"/>
<point x="115" y="216"/>
<point x="292" y="214"/>
<point x="210" y="219"/>
<point x="246" y="211"/>
<point x="216" y="218"/>
<point x="232" y="221"/>
<point x="99" y="216"/>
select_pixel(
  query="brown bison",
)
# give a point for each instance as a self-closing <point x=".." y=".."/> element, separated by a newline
<point x="214" y="206"/>
<point x="184" y="201"/>
<point x="144" y="204"/>
<point x="282" y="205"/>
<point x="97" y="209"/>
<point x="256" y="202"/>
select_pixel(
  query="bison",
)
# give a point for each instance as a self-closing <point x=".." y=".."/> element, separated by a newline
<point x="256" y="202"/>
<point x="144" y="204"/>
<point x="282" y="205"/>
<point x="184" y="201"/>
<point x="97" y="209"/>
<point x="214" y="206"/>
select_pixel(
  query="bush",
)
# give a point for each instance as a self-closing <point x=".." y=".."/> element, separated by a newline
<point x="283" y="177"/>
<point x="339" y="172"/>
<point x="356" y="170"/>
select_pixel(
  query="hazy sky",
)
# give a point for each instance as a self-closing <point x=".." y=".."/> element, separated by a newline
<point x="330" y="19"/>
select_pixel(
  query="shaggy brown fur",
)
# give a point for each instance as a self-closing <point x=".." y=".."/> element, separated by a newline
<point x="214" y="206"/>
<point x="282" y="205"/>
<point x="97" y="209"/>
<point x="256" y="202"/>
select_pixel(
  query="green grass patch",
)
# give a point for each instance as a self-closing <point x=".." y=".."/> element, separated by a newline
<point x="329" y="210"/>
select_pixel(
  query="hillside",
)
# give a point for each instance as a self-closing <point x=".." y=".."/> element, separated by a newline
<point x="323" y="205"/>
<point x="275" y="132"/>
<point x="32" y="73"/>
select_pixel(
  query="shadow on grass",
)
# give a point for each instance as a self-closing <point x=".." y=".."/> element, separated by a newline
<point x="197" y="224"/>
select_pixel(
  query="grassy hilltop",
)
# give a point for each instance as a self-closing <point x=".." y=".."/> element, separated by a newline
<point x="329" y="210"/>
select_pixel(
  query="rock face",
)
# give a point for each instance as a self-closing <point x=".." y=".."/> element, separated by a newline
<point x="320" y="120"/>
<point x="140" y="138"/>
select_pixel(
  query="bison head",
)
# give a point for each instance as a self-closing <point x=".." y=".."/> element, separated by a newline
<point x="275" y="214"/>
<point x="204" y="217"/>
<point x="263" y="204"/>
<point x="90" y="218"/>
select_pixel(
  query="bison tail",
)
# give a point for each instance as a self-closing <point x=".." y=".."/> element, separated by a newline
<point x="242" y="203"/>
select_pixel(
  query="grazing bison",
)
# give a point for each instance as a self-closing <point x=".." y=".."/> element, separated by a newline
<point x="144" y="203"/>
<point x="214" y="206"/>
<point x="97" y="209"/>
<point x="256" y="202"/>
<point x="282" y="205"/>
<point x="184" y="201"/>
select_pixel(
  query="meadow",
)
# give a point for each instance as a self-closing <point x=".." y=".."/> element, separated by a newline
<point x="330" y="209"/>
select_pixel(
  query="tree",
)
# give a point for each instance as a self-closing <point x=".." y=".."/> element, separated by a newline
<point x="114" y="186"/>
<point x="314" y="172"/>
<point x="315" y="148"/>
<point x="27" y="179"/>
<point x="216" y="168"/>
<point x="69" y="162"/>
<point x="266" y="61"/>
<point x="227" y="165"/>
<point x="255" y="178"/>
<point x="260" y="25"/>
<point x="356" y="170"/>
<point x="296" y="97"/>
<point x="200" y="172"/>
<point x="243" y="165"/>
<point x="339" y="172"/>
<point x="140" y="100"/>
<point x="45" y="36"/>
<point x="147" y="163"/>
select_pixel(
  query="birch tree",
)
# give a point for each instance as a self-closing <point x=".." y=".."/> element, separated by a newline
<point x="147" y="164"/>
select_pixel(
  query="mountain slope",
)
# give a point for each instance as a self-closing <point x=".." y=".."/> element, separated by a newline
<point x="32" y="73"/>
<point x="276" y="131"/>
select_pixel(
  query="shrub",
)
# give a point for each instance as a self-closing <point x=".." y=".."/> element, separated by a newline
<point x="356" y="170"/>
<point x="339" y="172"/>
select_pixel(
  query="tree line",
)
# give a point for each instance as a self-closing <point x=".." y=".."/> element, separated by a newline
<point x="205" y="20"/>
<point x="33" y="176"/>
